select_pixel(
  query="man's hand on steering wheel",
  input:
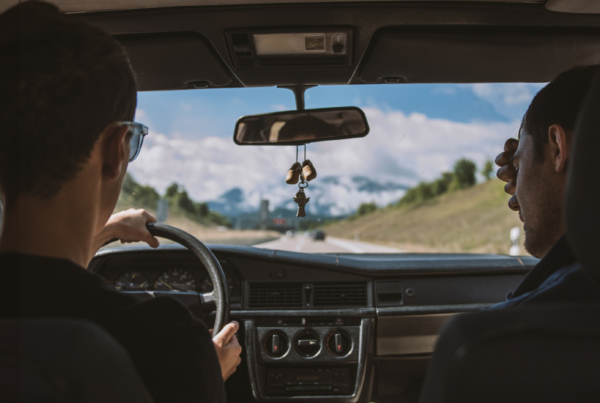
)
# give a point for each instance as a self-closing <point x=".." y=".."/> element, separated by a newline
<point x="127" y="226"/>
<point x="228" y="349"/>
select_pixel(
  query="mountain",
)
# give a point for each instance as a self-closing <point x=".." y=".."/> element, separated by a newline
<point x="329" y="197"/>
<point x="476" y="219"/>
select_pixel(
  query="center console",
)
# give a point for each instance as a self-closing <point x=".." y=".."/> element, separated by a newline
<point x="308" y="357"/>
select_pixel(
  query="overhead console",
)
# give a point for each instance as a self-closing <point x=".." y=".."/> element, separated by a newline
<point x="316" y="54"/>
<point x="476" y="54"/>
<point x="252" y="49"/>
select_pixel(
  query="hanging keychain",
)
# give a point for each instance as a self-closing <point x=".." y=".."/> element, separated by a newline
<point x="294" y="172"/>
<point x="301" y="198"/>
<point x="308" y="169"/>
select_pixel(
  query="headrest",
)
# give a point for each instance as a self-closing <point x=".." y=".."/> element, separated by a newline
<point x="582" y="199"/>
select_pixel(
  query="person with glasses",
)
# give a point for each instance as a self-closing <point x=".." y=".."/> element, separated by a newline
<point x="67" y="100"/>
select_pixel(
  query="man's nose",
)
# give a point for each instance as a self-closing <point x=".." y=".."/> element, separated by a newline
<point x="513" y="203"/>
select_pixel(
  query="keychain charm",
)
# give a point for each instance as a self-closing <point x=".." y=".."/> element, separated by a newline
<point x="301" y="200"/>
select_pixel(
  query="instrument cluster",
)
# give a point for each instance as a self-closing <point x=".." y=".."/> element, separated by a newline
<point x="174" y="279"/>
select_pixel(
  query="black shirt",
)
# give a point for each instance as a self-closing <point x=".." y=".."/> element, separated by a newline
<point x="556" y="278"/>
<point x="172" y="351"/>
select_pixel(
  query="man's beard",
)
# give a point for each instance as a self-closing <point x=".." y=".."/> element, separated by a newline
<point x="547" y="228"/>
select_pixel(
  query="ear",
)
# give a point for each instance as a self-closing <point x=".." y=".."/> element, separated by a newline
<point x="559" y="147"/>
<point x="115" y="151"/>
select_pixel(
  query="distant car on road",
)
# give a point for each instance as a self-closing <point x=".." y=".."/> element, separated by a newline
<point x="318" y="235"/>
<point x="289" y="234"/>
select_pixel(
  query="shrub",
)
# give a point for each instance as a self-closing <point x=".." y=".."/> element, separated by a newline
<point x="487" y="170"/>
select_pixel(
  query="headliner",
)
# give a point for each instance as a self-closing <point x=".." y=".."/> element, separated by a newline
<point x="82" y="6"/>
<point x="111" y="5"/>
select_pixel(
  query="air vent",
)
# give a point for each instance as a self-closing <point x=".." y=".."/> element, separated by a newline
<point x="350" y="294"/>
<point x="276" y="295"/>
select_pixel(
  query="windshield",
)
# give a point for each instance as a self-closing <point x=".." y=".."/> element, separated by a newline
<point x="421" y="181"/>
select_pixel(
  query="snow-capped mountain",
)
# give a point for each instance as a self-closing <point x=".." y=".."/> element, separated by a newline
<point x="329" y="196"/>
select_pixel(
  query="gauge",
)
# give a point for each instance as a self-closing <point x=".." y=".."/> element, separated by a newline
<point x="176" y="280"/>
<point x="131" y="281"/>
<point x="207" y="284"/>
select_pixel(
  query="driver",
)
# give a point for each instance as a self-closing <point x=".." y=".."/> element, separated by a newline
<point x="535" y="169"/>
<point x="67" y="98"/>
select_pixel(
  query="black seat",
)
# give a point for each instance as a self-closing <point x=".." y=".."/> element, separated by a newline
<point x="63" y="361"/>
<point x="541" y="354"/>
<point x="544" y="353"/>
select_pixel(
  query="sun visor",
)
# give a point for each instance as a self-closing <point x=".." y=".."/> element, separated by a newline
<point x="471" y="55"/>
<point x="173" y="62"/>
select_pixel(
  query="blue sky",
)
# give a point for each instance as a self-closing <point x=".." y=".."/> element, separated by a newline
<point x="214" y="111"/>
<point x="417" y="132"/>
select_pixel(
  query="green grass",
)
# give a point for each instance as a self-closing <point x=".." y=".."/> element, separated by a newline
<point x="472" y="220"/>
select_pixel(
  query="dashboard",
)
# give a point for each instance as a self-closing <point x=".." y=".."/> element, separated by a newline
<point x="326" y="328"/>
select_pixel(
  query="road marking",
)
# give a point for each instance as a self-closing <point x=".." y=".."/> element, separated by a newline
<point x="301" y="245"/>
<point x="345" y="245"/>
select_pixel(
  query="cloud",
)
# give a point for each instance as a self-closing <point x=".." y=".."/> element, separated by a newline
<point x="510" y="93"/>
<point x="509" y="99"/>
<point x="279" y="107"/>
<point x="400" y="149"/>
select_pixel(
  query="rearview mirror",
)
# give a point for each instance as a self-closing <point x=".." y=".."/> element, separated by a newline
<point x="301" y="127"/>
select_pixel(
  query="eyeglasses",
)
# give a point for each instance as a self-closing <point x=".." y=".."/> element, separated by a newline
<point x="138" y="132"/>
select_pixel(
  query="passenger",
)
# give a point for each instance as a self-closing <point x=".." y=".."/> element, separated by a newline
<point x="67" y="96"/>
<point x="535" y="167"/>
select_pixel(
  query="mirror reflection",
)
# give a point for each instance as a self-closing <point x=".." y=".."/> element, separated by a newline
<point x="300" y="127"/>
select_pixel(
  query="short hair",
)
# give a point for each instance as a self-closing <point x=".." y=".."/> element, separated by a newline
<point x="63" y="82"/>
<point x="557" y="103"/>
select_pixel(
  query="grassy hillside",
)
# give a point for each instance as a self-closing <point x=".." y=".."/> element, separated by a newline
<point x="473" y="220"/>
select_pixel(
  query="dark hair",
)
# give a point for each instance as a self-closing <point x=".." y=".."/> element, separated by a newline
<point x="557" y="103"/>
<point x="63" y="82"/>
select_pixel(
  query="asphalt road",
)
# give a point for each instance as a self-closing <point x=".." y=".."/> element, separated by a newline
<point x="303" y="243"/>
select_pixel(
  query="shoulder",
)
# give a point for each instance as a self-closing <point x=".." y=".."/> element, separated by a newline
<point x="568" y="284"/>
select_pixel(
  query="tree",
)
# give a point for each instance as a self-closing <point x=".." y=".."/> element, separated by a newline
<point x="184" y="202"/>
<point x="172" y="190"/>
<point x="441" y="185"/>
<point x="487" y="170"/>
<point x="424" y="191"/>
<point x="143" y="196"/>
<point x="147" y="196"/>
<point x="202" y="209"/>
<point x="366" y="208"/>
<point x="129" y="184"/>
<point x="464" y="174"/>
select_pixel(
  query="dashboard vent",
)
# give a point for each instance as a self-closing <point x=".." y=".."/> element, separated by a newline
<point x="276" y="295"/>
<point x="349" y="294"/>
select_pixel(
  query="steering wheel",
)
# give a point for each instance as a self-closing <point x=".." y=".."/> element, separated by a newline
<point x="218" y="299"/>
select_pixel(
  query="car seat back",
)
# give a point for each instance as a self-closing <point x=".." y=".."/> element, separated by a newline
<point x="64" y="361"/>
<point x="582" y="199"/>
<point x="541" y="354"/>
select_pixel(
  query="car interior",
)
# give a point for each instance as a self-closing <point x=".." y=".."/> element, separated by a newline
<point x="341" y="327"/>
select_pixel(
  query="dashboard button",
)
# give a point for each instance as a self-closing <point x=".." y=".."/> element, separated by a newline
<point x="276" y="345"/>
<point x="307" y="343"/>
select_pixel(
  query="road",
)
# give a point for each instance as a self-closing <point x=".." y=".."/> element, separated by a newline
<point x="302" y="243"/>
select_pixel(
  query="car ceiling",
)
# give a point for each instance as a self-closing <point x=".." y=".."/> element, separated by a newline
<point x="188" y="45"/>
<point x="567" y="6"/>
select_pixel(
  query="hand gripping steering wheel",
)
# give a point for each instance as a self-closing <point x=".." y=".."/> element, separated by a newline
<point x="218" y="298"/>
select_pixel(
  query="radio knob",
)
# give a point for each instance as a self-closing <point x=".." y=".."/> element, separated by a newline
<point x="275" y="344"/>
<point x="339" y="343"/>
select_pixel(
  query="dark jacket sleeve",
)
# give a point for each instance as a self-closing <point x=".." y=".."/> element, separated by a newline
<point x="566" y="285"/>
<point x="172" y="351"/>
